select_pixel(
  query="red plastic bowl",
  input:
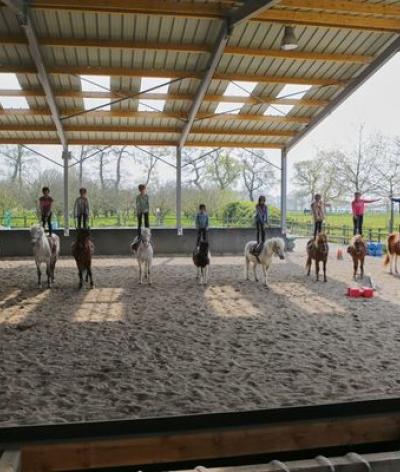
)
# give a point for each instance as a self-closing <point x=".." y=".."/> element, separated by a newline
<point x="368" y="292"/>
<point x="355" y="292"/>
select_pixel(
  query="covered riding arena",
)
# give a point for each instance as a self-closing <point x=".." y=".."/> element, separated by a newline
<point x="173" y="375"/>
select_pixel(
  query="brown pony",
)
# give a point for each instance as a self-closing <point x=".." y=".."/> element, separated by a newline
<point x="358" y="251"/>
<point x="82" y="250"/>
<point x="318" y="250"/>
<point x="393" y="250"/>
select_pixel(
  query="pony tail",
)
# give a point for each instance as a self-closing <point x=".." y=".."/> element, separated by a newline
<point x="387" y="260"/>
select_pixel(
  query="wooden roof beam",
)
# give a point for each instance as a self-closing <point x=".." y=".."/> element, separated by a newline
<point x="332" y="20"/>
<point x="192" y="48"/>
<point x="125" y="72"/>
<point x="145" y="129"/>
<point x="218" y="10"/>
<point x="344" y="6"/>
<point x="160" y="115"/>
<point x="119" y="142"/>
<point x="310" y="102"/>
<point x="20" y="8"/>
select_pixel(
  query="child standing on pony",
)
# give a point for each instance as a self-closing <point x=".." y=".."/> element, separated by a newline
<point x="318" y="210"/>
<point x="202" y="223"/>
<point x="81" y="209"/>
<point x="142" y="211"/>
<point x="45" y="203"/>
<point x="261" y="219"/>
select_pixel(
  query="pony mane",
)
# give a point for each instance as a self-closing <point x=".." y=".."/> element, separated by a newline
<point x="357" y="239"/>
<point x="36" y="230"/>
<point x="146" y="231"/>
<point x="321" y="238"/>
<point x="276" y="241"/>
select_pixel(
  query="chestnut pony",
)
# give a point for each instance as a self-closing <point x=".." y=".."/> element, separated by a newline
<point x="82" y="250"/>
<point x="358" y="251"/>
<point x="318" y="250"/>
<point x="393" y="250"/>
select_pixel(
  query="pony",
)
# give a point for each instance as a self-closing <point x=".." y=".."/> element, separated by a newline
<point x="273" y="246"/>
<point x="393" y="250"/>
<point x="201" y="259"/>
<point x="45" y="251"/>
<point x="358" y="251"/>
<point x="318" y="250"/>
<point x="83" y="250"/>
<point x="144" y="255"/>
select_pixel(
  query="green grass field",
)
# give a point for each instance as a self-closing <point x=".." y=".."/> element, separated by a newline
<point x="371" y="220"/>
<point x="298" y="223"/>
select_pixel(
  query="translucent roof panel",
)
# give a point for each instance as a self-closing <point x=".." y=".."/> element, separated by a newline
<point x="231" y="108"/>
<point x="240" y="88"/>
<point x="151" y="105"/>
<point x="151" y="82"/>
<point x="278" y="110"/>
<point x="9" y="81"/>
<point x="14" y="102"/>
<point x="95" y="83"/>
<point x="295" y="91"/>
<point x="90" y="103"/>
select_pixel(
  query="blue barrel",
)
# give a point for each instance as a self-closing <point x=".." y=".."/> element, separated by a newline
<point x="379" y="250"/>
<point x="371" y="248"/>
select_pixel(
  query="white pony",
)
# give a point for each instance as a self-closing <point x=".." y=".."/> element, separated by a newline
<point x="45" y="251"/>
<point x="144" y="255"/>
<point x="273" y="246"/>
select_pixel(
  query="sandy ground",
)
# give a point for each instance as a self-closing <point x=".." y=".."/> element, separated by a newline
<point x="121" y="350"/>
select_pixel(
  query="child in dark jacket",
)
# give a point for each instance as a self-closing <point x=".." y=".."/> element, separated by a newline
<point x="202" y="223"/>
<point x="261" y="219"/>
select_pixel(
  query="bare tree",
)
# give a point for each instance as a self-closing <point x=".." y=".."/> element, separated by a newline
<point x="356" y="171"/>
<point x="19" y="160"/>
<point x="148" y="162"/>
<point x="119" y="153"/>
<point x="388" y="171"/>
<point x="195" y="168"/>
<point x="223" y="169"/>
<point x="257" y="174"/>
<point x="307" y="177"/>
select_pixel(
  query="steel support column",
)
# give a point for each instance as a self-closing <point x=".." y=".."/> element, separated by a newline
<point x="66" y="156"/>
<point x="283" y="189"/>
<point x="179" y="190"/>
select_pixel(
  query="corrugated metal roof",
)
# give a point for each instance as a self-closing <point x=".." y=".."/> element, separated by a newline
<point x="119" y="43"/>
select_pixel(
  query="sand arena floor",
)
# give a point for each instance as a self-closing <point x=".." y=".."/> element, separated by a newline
<point x="121" y="350"/>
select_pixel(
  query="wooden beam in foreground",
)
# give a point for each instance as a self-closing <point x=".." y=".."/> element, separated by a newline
<point x="212" y="444"/>
<point x="190" y="48"/>
<point x="125" y="72"/>
<point x="310" y="102"/>
<point x="219" y="11"/>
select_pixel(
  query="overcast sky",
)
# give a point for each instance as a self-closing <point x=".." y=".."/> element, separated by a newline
<point x="376" y="105"/>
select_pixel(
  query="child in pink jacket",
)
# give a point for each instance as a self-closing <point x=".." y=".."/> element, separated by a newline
<point x="358" y="208"/>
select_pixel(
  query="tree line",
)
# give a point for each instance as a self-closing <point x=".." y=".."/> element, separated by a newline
<point x="111" y="175"/>
<point x="372" y="167"/>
